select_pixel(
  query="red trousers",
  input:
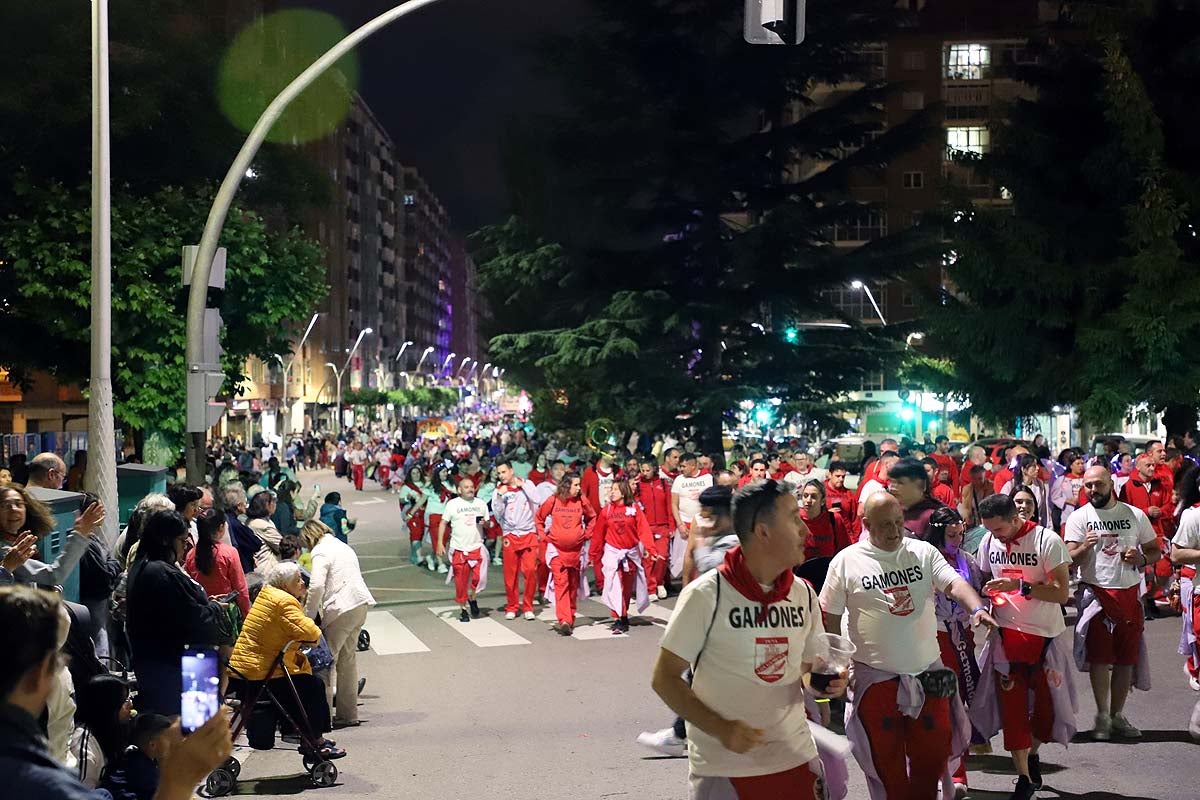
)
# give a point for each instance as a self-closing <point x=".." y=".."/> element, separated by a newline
<point x="656" y="568"/>
<point x="798" y="782"/>
<point x="382" y="474"/>
<point x="520" y="558"/>
<point x="566" y="586"/>
<point x="416" y="527"/>
<point x="910" y="755"/>
<point x="1021" y="726"/>
<point x="356" y="470"/>
<point x="466" y="576"/>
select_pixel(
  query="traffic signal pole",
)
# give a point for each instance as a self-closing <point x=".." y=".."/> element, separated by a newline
<point x="197" y="294"/>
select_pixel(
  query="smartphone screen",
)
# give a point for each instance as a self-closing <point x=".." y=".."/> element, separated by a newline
<point x="200" y="695"/>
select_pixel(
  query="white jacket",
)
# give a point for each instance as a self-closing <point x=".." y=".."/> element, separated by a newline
<point x="337" y="585"/>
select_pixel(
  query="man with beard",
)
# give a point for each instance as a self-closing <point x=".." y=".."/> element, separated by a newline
<point x="1111" y="542"/>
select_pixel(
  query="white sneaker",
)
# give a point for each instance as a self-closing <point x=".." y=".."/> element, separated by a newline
<point x="443" y="569"/>
<point x="529" y="616"/>
<point x="1192" y="682"/>
<point x="662" y="593"/>
<point x="430" y="563"/>
<point x="1102" y="730"/>
<point x="510" y="615"/>
<point x="664" y="742"/>
<point x="497" y="561"/>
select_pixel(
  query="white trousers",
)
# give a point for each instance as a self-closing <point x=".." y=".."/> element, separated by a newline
<point x="342" y="637"/>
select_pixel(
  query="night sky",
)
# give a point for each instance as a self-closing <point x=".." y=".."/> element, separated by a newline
<point x="446" y="81"/>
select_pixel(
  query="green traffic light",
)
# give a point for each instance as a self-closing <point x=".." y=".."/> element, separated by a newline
<point x="791" y="335"/>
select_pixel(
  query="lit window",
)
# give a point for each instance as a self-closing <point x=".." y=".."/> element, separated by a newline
<point x="914" y="180"/>
<point x="968" y="139"/>
<point x="912" y="101"/>
<point x="968" y="62"/>
<point x="410" y="200"/>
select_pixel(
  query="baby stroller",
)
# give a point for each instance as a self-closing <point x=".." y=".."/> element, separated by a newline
<point x="258" y="718"/>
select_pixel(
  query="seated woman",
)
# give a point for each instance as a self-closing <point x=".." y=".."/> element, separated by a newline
<point x="165" y="610"/>
<point x="275" y="620"/>
<point x="104" y="709"/>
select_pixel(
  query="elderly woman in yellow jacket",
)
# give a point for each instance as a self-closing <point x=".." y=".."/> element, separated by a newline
<point x="275" y="620"/>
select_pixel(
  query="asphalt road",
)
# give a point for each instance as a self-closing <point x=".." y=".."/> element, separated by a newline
<point x="508" y="709"/>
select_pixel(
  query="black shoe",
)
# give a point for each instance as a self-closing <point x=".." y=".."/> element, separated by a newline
<point x="475" y="609"/>
<point x="1035" y="771"/>
<point x="362" y="684"/>
<point x="564" y="629"/>
<point x="1024" y="789"/>
<point x="463" y="616"/>
<point x="1151" y="608"/>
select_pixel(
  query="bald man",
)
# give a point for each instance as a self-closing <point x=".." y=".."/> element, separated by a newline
<point x="886" y="583"/>
<point x="1111" y="542"/>
<point x="47" y="471"/>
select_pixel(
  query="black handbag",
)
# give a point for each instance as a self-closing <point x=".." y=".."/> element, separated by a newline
<point x="939" y="683"/>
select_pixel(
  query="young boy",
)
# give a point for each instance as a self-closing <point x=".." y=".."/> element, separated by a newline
<point x="465" y="515"/>
<point x="135" y="774"/>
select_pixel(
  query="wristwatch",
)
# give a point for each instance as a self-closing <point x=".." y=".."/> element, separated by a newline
<point x="1026" y="588"/>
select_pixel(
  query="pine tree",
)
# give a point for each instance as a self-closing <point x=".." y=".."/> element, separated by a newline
<point x="665" y="237"/>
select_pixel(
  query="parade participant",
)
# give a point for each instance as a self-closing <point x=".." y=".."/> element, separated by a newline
<point x="670" y="464"/>
<point x="777" y="468"/>
<point x="598" y="478"/>
<point x="491" y="528"/>
<point x="632" y="470"/>
<point x="542" y="492"/>
<point x="870" y="471"/>
<point x="908" y="482"/>
<point x="903" y="719"/>
<point x="439" y="492"/>
<point x="705" y="462"/>
<point x="1065" y="491"/>
<point x="750" y="650"/>
<point x="570" y="514"/>
<point x="1185" y="554"/>
<point x="514" y="506"/>
<point x="1111" y="543"/>
<point x="465" y="516"/>
<point x="941" y="454"/>
<point x="937" y="489"/>
<point x="383" y="466"/>
<point x="540" y="471"/>
<point x="621" y="535"/>
<point x="654" y="493"/>
<point x="1009" y="466"/>
<point x="412" y="498"/>
<point x="1028" y="475"/>
<point x="956" y="639"/>
<point x="1026" y="502"/>
<point x="975" y="489"/>
<point x="757" y="472"/>
<point x="1147" y="491"/>
<point x="877" y="483"/>
<point x="827" y="533"/>
<point x="356" y="458"/>
<point x="838" y="498"/>
<point x="685" y="504"/>
<point x="1026" y="688"/>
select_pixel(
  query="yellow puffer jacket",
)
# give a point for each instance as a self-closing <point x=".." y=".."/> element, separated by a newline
<point x="275" y="619"/>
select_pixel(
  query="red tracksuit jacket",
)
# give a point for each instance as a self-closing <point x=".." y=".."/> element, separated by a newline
<point x="568" y="519"/>
<point x="655" y="497"/>
<point x="616" y="526"/>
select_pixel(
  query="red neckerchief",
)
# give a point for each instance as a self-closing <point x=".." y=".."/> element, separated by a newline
<point x="413" y="486"/>
<point x="1025" y="529"/>
<point x="735" y="571"/>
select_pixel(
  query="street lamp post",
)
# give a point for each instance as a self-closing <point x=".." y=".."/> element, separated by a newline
<point x="338" y="377"/>
<point x="288" y="367"/>
<point x="198" y="292"/>
<point x="870" y="296"/>
<point x="402" y="348"/>
<point x="449" y="358"/>
<point x="101" y="476"/>
<point x="460" y="366"/>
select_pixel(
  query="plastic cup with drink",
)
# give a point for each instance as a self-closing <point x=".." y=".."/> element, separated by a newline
<point x="833" y="658"/>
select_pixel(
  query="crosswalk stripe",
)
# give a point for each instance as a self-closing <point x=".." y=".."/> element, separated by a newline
<point x="657" y="611"/>
<point x="598" y="630"/>
<point x="390" y="636"/>
<point x="483" y="632"/>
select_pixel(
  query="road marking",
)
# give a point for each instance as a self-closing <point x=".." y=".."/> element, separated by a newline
<point x="368" y="502"/>
<point x="386" y="569"/>
<point x="481" y="632"/>
<point x="599" y="630"/>
<point x="390" y="637"/>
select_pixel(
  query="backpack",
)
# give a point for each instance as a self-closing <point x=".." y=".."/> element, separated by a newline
<point x="99" y="572"/>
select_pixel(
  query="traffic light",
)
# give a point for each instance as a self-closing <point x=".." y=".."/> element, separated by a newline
<point x="791" y="335"/>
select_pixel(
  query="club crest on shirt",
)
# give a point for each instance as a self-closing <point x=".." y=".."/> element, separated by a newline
<point x="1110" y="544"/>
<point x="770" y="657"/>
<point x="901" y="601"/>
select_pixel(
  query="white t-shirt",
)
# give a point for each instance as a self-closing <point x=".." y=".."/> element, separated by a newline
<point x="798" y="479"/>
<point x="357" y="457"/>
<point x="889" y="595"/>
<point x="749" y="669"/>
<point x="604" y="480"/>
<point x="1188" y="535"/>
<point x="1031" y="558"/>
<point x="689" y="490"/>
<point x="1120" y="528"/>
<point x="463" y="517"/>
